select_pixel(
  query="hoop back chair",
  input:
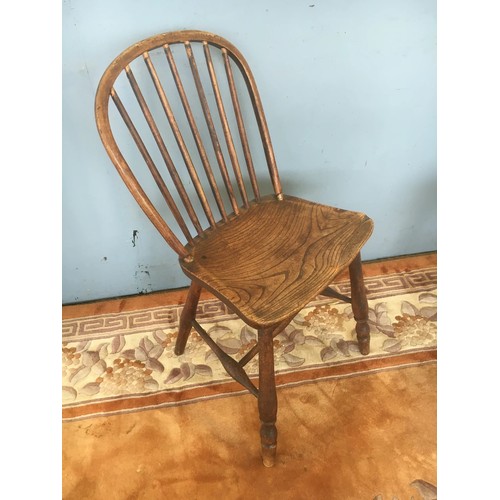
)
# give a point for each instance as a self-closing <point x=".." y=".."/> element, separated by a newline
<point x="189" y="108"/>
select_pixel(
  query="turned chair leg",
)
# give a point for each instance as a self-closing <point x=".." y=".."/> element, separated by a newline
<point x="359" y="305"/>
<point x="268" y="403"/>
<point x="187" y="316"/>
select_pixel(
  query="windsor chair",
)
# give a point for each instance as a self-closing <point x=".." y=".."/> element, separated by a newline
<point x="264" y="255"/>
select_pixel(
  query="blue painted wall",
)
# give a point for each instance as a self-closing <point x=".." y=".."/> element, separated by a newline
<point x="349" y="89"/>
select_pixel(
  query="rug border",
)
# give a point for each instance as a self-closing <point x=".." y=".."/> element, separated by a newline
<point x="182" y="396"/>
<point x="186" y="394"/>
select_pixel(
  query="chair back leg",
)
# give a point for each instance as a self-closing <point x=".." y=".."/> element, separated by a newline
<point x="359" y="305"/>
<point x="268" y="402"/>
<point x="187" y="316"/>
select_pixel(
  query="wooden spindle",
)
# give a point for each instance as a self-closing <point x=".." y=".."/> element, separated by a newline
<point x="264" y="132"/>
<point x="330" y="292"/>
<point x="210" y="125"/>
<point x="194" y="129"/>
<point x="196" y="136"/>
<point x="163" y="150"/>
<point x="225" y="126"/>
<point x="151" y="165"/>
<point x="180" y="142"/>
<point x="241" y="125"/>
<point x="230" y="365"/>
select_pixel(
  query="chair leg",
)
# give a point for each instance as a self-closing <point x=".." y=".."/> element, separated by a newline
<point x="359" y="305"/>
<point x="268" y="403"/>
<point x="187" y="316"/>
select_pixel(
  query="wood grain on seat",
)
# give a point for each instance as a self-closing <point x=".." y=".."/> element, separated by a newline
<point x="275" y="256"/>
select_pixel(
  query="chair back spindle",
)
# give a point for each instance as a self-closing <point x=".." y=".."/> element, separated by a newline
<point x="186" y="118"/>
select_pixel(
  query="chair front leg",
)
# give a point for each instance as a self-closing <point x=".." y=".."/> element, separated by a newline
<point x="268" y="402"/>
<point x="187" y="316"/>
<point x="359" y="305"/>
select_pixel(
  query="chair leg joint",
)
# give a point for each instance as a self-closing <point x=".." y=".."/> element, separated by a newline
<point x="188" y="314"/>
<point x="231" y="366"/>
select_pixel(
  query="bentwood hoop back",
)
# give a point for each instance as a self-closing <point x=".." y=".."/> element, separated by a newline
<point x="186" y="110"/>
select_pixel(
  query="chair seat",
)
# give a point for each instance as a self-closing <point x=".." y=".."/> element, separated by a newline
<point x="276" y="256"/>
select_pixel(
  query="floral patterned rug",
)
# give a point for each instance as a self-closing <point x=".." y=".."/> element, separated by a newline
<point x="125" y="362"/>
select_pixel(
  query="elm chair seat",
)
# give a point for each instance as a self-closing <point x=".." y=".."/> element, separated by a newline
<point x="307" y="244"/>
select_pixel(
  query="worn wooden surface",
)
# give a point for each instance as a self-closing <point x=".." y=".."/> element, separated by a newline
<point x="266" y="257"/>
<point x="276" y="256"/>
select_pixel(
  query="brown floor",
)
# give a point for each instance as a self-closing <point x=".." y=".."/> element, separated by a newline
<point x="351" y="438"/>
<point x="354" y="438"/>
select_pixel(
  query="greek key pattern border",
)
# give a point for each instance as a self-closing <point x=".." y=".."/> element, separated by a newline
<point x="91" y="327"/>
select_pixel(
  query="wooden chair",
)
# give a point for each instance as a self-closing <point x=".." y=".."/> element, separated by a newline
<point x="188" y="98"/>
